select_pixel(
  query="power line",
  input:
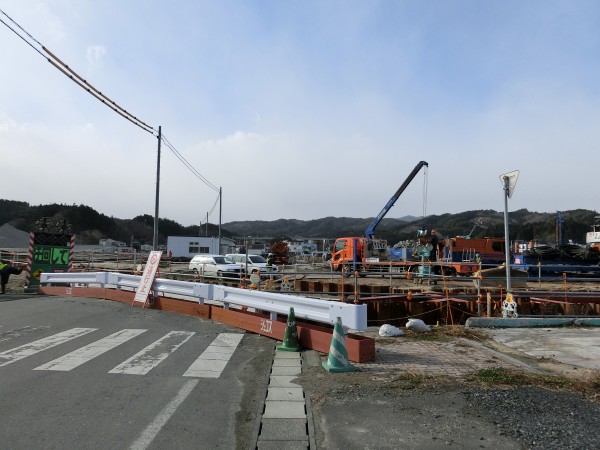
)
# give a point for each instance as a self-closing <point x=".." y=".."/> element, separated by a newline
<point x="81" y="82"/>
<point x="214" y="205"/>
<point x="76" y="78"/>
<point x="188" y="165"/>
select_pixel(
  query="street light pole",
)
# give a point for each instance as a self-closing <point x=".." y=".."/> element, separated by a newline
<point x="506" y="235"/>
<point x="509" y="180"/>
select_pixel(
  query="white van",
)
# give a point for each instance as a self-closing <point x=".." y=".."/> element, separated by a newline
<point x="215" y="266"/>
<point x="255" y="263"/>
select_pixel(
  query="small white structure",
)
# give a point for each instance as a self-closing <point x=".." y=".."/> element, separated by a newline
<point x="111" y="243"/>
<point x="188" y="246"/>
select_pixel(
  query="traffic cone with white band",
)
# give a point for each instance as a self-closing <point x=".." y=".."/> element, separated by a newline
<point x="337" y="361"/>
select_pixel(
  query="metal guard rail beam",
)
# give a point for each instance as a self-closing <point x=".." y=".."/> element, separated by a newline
<point x="324" y="311"/>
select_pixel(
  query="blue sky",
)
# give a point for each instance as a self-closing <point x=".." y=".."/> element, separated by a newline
<point x="303" y="109"/>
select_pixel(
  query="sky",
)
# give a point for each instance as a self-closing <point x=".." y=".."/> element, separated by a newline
<point x="302" y="109"/>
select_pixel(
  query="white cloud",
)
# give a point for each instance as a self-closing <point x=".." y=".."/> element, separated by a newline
<point x="95" y="54"/>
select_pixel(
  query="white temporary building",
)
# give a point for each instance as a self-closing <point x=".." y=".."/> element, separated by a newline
<point x="188" y="246"/>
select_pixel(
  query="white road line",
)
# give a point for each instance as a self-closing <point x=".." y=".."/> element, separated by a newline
<point x="10" y="356"/>
<point x="89" y="352"/>
<point x="212" y="362"/>
<point x="144" y="361"/>
<point x="152" y="430"/>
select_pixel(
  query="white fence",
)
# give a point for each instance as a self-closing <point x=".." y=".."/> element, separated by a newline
<point x="318" y="310"/>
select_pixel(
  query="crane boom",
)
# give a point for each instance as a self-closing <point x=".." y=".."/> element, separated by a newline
<point x="370" y="231"/>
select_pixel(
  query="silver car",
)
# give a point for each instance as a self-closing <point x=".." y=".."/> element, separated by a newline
<point x="215" y="266"/>
<point x="254" y="263"/>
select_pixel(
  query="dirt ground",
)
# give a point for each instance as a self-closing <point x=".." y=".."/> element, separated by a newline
<point x="533" y="406"/>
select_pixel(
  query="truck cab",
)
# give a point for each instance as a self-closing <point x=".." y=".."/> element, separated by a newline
<point x="352" y="253"/>
<point x="347" y="253"/>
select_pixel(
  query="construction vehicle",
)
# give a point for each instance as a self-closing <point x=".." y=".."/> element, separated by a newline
<point x="362" y="253"/>
<point x="279" y="250"/>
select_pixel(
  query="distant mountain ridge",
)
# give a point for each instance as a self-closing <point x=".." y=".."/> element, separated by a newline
<point x="91" y="226"/>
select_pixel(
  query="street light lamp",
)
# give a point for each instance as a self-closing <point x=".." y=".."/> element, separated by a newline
<point x="509" y="180"/>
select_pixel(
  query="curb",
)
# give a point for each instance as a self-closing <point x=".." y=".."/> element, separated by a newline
<point x="530" y="322"/>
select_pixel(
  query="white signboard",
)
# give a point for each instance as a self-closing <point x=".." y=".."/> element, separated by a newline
<point x="512" y="181"/>
<point x="141" y="294"/>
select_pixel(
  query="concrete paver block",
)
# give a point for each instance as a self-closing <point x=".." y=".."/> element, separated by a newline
<point x="283" y="430"/>
<point x="284" y="381"/>
<point x="279" y="445"/>
<point x="284" y="410"/>
<point x="286" y="371"/>
<point x="287" y="355"/>
<point x="285" y="394"/>
<point x="287" y="363"/>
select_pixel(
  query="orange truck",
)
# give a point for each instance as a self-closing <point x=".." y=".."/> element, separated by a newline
<point x="355" y="253"/>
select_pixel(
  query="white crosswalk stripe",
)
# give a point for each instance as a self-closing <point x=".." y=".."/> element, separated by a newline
<point x="91" y="351"/>
<point x="15" y="354"/>
<point x="210" y="364"/>
<point x="213" y="360"/>
<point x="144" y="361"/>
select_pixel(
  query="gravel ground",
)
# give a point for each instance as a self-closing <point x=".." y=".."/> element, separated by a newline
<point x="403" y="410"/>
<point x="539" y="418"/>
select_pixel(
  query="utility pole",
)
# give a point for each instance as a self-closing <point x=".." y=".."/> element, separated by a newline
<point x="220" y="215"/>
<point x="155" y="236"/>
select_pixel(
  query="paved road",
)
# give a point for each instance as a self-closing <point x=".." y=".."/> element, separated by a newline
<point x="86" y="374"/>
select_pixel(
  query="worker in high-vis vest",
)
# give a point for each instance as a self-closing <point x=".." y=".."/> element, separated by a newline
<point x="6" y="270"/>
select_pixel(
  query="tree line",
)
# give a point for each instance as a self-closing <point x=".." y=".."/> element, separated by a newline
<point x="90" y="226"/>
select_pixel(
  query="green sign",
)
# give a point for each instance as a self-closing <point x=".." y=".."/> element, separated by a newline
<point x="50" y="254"/>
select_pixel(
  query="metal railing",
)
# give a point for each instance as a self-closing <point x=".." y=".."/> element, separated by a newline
<point x="353" y="316"/>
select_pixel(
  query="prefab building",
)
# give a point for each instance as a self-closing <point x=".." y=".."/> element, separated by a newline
<point x="188" y="246"/>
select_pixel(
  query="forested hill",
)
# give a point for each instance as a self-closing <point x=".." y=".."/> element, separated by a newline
<point x="90" y="226"/>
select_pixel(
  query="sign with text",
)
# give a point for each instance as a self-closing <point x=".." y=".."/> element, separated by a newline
<point x="141" y="294"/>
<point x="49" y="253"/>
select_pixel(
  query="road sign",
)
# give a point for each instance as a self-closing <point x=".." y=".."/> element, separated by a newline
<point x="50" y="252"/>
<point x="512" y="181"/>
<point x="141" y="294"/>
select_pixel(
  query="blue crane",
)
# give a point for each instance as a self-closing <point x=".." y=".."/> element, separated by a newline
<point x="370" y="231"/>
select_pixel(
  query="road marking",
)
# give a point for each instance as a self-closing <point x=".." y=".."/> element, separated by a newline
<point x="152" y="430"/>
<point x="212" y="361"/>
<point x="91" y="351"/>
<point x="144" y="361"/>
<point x="10" y="356"/>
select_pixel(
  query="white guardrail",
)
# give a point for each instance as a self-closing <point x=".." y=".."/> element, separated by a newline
<point x="319" y="310"/>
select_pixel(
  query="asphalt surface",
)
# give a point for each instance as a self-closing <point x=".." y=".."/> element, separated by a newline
<point x="414" y="395"/>
<point x="134" y="391"/>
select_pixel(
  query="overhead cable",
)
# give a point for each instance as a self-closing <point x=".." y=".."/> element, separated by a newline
<point x="214" y="205"/>
<point x="81" y="82"/>
<point x="77" y="79"/>
<point x="188" y="165"/>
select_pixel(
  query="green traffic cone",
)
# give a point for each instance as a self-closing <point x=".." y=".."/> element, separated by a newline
<point x="337" y="361"/>
<point x="290" y="337"/>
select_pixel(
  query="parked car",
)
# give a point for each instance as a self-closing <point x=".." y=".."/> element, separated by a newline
<point x="215" y="266"/>
<point x="254" y="262"/>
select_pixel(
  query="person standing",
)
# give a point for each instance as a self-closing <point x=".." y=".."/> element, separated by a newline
<point x="6" y="270"/>
<point x="434" y="246"/>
